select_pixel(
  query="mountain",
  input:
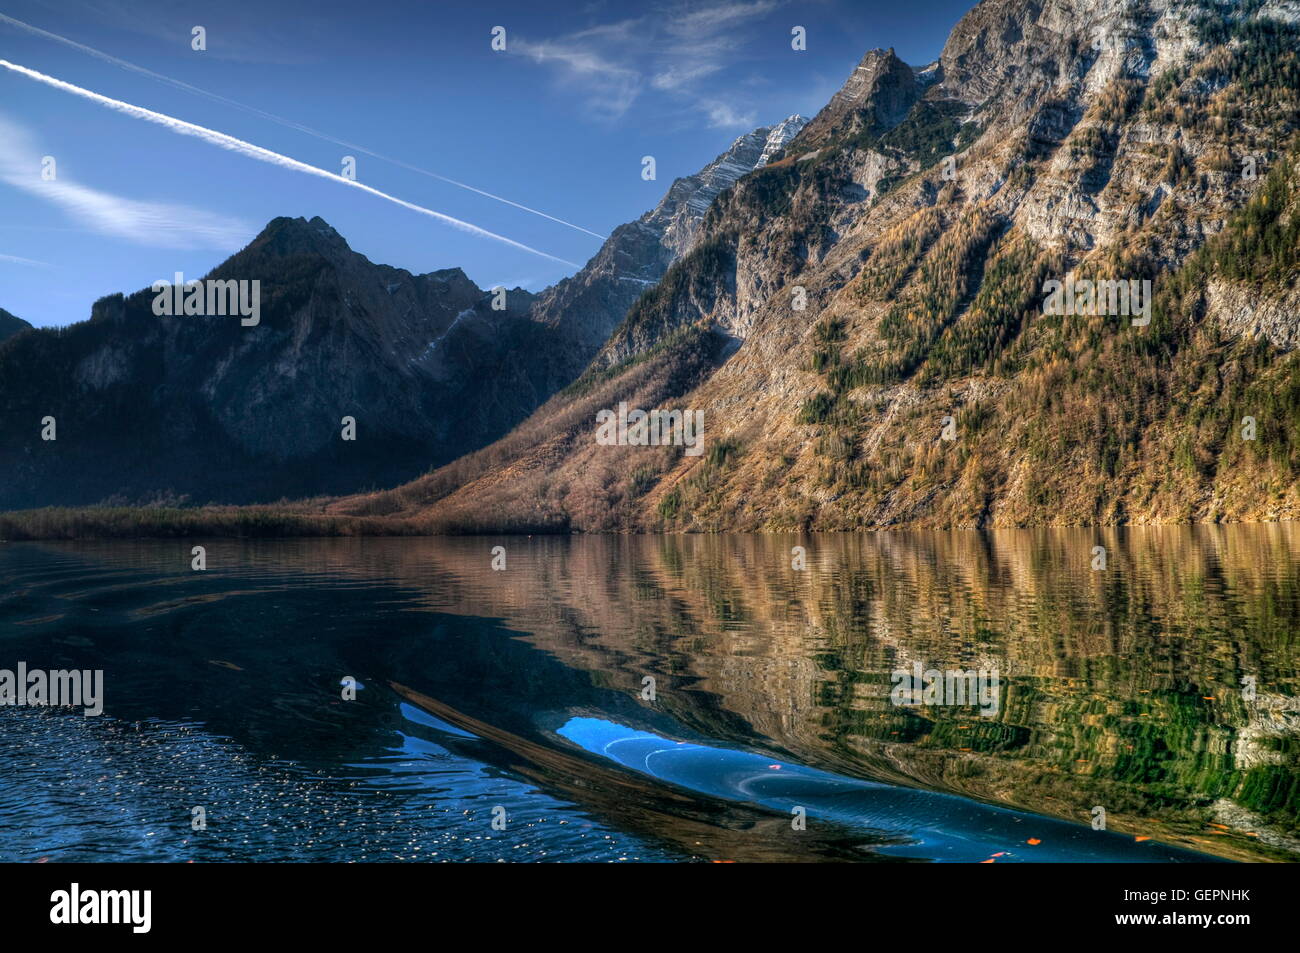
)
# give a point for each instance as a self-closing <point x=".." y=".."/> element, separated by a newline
<point x="676" y="220"/>
<point x="866" y="322"/>
<point x="591" y="303"/>
<point x="10" y="324"/>
<point x="877" y="95"/>
<point x="203" y="409"/>
<point x="161" y="407"/>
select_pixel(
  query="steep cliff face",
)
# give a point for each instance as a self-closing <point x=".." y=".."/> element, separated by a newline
<point x="863" y="320"/>
<point x="677" y="218"/>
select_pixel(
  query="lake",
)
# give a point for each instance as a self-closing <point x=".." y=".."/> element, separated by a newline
<point x="661" y="698"/>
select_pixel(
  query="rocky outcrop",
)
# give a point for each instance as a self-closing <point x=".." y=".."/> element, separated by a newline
<point x="876" y="96"/>
<point x="1253" y="312"/>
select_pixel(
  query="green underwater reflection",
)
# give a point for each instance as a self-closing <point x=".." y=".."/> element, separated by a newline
<point x="1161" y="690"/>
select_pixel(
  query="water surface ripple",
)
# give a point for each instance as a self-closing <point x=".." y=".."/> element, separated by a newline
<point x="1162" y="691"/>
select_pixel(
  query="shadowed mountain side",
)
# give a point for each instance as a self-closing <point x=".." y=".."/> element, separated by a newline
<point x="11" y="324"/>
<point x="201" y="407"/>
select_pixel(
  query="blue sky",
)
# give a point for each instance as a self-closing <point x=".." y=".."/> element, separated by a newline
<point x="558" y="122"/>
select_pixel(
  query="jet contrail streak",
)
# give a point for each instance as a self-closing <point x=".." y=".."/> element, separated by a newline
<point x="24" y="261"/>
<point x="288" y="123"/>
<point x="215" y="138"/>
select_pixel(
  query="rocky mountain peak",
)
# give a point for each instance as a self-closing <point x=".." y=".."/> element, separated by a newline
<point x="781" y="134"/>
<point x="285" y="237"/>
<point x="677" y="217"/>
<point x="878" y="93"/>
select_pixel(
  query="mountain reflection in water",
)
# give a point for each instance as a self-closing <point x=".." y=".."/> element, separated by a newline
<point x="1162" y="690"/>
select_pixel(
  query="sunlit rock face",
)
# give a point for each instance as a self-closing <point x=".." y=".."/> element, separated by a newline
<point x="890" y="271"/>
<point x="878" y="94"/>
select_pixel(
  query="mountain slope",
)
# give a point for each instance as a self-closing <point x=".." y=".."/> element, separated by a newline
<point x="202" y="409"/>
<point x="1089" y="139"/>
<point x="11" y="324"/>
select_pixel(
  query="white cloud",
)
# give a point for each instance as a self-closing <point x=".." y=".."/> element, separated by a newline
<point x="724" y="116"/>
<point x="609" y="89"/>
<point x="149" y="223"/>
<point x="683" y="76"/>
<point x="707" y="21"/>
<point x="674" y="49"/>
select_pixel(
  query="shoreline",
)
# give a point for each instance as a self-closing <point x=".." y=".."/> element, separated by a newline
<point x="303" y="521"/>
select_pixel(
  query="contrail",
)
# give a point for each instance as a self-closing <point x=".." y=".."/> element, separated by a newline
<point x="24" y="261"/>
<point x="288" y="123"/>
<point x="265" y="155"/>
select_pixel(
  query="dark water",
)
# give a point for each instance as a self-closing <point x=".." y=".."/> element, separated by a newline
<point x="1120" y="690"/>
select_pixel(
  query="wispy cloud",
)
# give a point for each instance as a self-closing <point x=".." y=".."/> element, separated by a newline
<point x="147" y="223"/>
<point x="708" y="21"/>
<point x="251" y="151"/>
<point x="609" y="88"/>
<point x="679" y="76"/>
<point x="674" y="49"/>
<point x="725" y="116"/>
